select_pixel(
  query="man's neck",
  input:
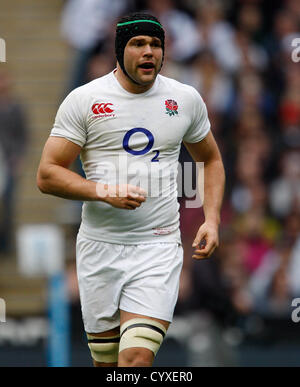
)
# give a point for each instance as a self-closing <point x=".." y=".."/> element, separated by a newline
<point x="128" y="84"/>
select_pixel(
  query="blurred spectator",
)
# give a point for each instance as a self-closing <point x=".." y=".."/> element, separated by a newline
<point x="243" y="53"/>
<point x="251" y="94"/>
<point x="289" y="108"/>
<point x="87" y="25"/>
<point x="214" y="32"/>
<point x="276" y="282"/>
<point x="250" y="21"/>
<point x="13" y="140"/>
<point x="233" y="48"/>
<point x="232" y="252"/>
<point x="294" y="7"/>
<point x="252" y="228"/>
<point x="99" y="65"/>
<point x="181" y="33"/>
<point x="278" y="42"/>
<point x="214" y="86"/>
<point x="285" y="189"/>
<point x="3" y="177"/>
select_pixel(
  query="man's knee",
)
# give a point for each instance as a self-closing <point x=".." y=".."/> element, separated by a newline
<point x="136" y="357"/>
<point x="140" y="341"/>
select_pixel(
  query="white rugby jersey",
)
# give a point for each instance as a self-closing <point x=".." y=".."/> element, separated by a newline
<point x="134" y="139"/>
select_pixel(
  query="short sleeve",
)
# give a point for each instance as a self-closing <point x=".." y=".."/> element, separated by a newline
<point x="69" y="121"/>
<point x="200" y="124"/>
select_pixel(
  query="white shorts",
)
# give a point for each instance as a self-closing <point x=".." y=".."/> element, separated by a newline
<point x="142" y="279"/>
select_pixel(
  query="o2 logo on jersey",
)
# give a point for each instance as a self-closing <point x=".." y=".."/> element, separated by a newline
<point x="147" y="148"/>
<point x="103" y="109"/>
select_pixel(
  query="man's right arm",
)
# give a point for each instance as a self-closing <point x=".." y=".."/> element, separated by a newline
<point x="55" y="178"/>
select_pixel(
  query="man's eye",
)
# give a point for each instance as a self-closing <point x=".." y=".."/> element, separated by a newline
<point x="156" y="44"/>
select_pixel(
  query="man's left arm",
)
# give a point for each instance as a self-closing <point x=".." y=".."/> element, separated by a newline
<point x="207" y="151"/>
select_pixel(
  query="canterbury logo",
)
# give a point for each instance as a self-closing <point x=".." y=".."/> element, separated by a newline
<point x="102" y="108"/>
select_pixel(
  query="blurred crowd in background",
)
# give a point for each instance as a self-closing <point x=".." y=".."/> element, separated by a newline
<point x="239" y="55"/>
<point x="13" y="142"/>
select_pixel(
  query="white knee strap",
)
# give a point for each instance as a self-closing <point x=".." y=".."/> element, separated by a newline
<point x="142" y="332"/>
<point x="104" y="349"/>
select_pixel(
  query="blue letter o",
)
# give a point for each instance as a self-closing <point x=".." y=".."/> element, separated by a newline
<point x="142" y="151"/>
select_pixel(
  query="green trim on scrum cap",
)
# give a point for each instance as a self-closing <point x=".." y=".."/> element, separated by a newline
<point x="139" y="21"/>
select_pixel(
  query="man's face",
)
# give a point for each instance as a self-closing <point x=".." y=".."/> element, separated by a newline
<point x="143" y="58"/>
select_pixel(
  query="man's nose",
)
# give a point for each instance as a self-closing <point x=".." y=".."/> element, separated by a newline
<point x="148" y="50"/>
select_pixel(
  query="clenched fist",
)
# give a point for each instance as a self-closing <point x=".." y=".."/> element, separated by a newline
<point x="125" y="196"/>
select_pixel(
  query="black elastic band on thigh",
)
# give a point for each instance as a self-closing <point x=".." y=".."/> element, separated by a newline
<point x="105" y="340"/>
<point x="154" y="328"/>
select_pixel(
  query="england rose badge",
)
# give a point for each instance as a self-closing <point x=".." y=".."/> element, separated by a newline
<point x="171" y="107"/>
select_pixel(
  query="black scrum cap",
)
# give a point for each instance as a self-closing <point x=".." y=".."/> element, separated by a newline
<point x="134" y="25"/>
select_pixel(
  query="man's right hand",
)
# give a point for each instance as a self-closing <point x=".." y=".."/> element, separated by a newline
<point x="124" y="196"/>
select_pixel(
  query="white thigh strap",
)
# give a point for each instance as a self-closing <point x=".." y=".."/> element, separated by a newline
<point x="104" y="349"/>
<point x="142" y="332"/>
